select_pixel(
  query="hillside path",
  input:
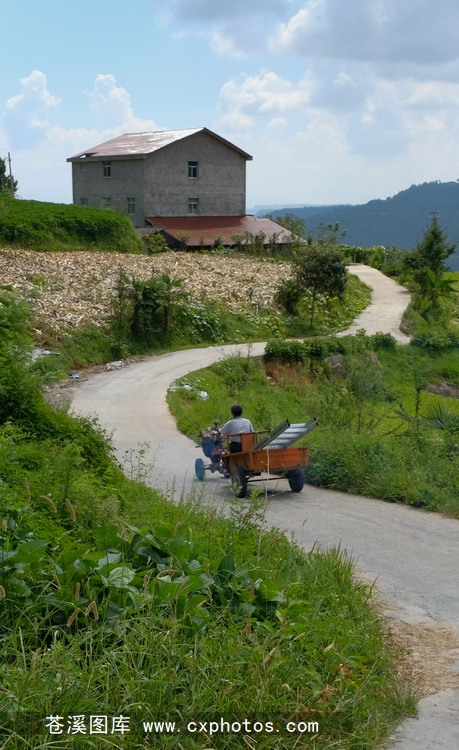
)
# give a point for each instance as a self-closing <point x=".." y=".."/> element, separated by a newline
<point x="413" y="556"/>
<point x="389" y="301"/>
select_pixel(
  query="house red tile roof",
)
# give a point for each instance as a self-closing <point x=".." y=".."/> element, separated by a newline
<point x="204" y="230"/>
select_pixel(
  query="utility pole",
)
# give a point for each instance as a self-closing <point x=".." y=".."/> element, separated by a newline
<point x="434" y="215"/>
<point x="11" y="176"/>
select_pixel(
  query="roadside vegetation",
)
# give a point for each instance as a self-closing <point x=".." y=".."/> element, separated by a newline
<point x="58" y="226"/>
<point x="385" y="430"/>
<point x="115" y="602"/>
<point x="158" y="315"/>
<point x="155" y="315"/>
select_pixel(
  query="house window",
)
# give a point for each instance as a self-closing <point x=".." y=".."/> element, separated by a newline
<point x="107" y="168"/>
<point x="82" y="167"/>
<point x="131" y="206"/>
<point x="193" y="169"/>
<point x="193" y="206"/>
<point x="83" y="201"/>
<point x="106" y="202"/>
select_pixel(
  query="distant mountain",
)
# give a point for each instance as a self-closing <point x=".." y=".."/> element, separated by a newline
<point x="400" y="220"/>
<point x="260" y="208"/>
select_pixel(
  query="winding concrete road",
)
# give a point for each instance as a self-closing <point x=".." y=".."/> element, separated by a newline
<point x="413" y="555"/>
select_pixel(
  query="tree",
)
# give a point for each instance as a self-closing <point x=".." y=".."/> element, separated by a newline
<point x="291" y="222"/>
<point x="431" y="253"/>
<point x="320" y="270"/>
<point x="326" y="234"/>
<point x="7" y="185"/>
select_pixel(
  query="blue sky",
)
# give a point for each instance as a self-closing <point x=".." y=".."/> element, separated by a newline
<point x="338" y="102"/>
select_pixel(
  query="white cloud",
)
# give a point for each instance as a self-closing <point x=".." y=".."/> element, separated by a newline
<point x="27" y="118"/>
<point x="223" y="44"/>
<point x="112" y="106"/>
<point x="27" y="113"/>
<point x="232" y="29"/>
<point x="35" y="89"/>
<point x="413" y="30"/>
<point x="40" y="147"/>
<point x="344" y="133"/>
<point x="277" y="124"/>
<point x="263" y="94"/>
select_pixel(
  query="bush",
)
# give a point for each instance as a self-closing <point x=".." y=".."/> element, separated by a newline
<point x="383" y="341"/>
<point x="288" y="296"/>
<point x="196" y="323"/>
<point x="436" y="340"/>
<point x="392" y="269"/>
<point x="156" y="243"/>
<point x="302" y="351"/>
<point x="58" y="226"/>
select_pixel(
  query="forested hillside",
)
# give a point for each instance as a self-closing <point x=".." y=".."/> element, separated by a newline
<point x="400" y="220"/>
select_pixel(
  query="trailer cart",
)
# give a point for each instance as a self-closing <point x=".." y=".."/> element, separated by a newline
<point x="270" y="454"/>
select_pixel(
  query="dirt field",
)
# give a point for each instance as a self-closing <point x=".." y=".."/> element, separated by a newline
<point x="72" y="289"/>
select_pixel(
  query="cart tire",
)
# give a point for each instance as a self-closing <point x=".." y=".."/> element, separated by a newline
<point x="296" y="480"/>
<point x="239" y="481"/>
<point x="199" y="469"/>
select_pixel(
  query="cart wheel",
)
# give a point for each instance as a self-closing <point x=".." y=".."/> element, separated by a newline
<point x="296" y="480"/>
<point x="199" y="469"/>
<point x="239" y="481"/>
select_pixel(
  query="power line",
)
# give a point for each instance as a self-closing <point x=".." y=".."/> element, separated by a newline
<point x="38" y="156"/>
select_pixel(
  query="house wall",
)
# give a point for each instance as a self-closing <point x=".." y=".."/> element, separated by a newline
<point x="219" y="187"/>
<point x="126" y="181"/>
<point x="160" y="184"/>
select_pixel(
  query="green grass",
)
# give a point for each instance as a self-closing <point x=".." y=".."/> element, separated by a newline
<point x="116" y="602"/>
<point x="196" y="325"/>
<point x="58" y="226"/>
<point x="245" y="626"/>
<point x="380" y="432"/>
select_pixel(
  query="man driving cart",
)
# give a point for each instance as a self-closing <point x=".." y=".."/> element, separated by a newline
<point x="234" y="427"/>
<point x="255" y="456"/>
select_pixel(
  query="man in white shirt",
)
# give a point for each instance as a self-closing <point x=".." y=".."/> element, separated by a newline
<point x="236" y="425"/>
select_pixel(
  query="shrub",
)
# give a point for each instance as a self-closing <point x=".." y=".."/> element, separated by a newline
<point x="288" y="296"/>
<point x="156" y="243"/>
<point x="58" y="226"/>
<point x="392" y="269"/>
<point x="436" y="340"/>
<point x="383" y="341"/>
<point x="302" y="351"/>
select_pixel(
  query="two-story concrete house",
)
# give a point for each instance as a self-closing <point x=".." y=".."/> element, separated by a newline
<point x="176" y="181"/>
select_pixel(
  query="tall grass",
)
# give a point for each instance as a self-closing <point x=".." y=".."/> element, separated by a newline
<point x="270" y="635"/>
<point x="116" y="603"/>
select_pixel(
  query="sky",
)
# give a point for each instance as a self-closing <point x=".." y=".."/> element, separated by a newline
<point x="338" y="101"/>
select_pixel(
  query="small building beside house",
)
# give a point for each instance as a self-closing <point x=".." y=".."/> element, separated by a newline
<point x="178" y="182"/>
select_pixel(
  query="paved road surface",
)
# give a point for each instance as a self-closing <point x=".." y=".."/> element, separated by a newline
<point x="413" y="555"/>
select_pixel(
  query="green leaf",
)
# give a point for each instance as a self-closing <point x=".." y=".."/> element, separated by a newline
<point x="120" y="577"/>
<point x="109" y="558"/>
<point x="226" y="564"/>
<point x="6" y="555"/>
